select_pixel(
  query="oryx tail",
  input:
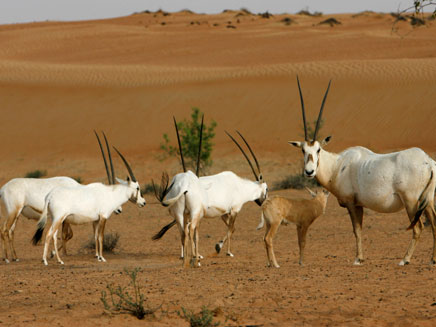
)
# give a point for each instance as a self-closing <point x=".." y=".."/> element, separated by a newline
<point x="41" y="224"/>
<point x="422" y="203"/>
<point x="162" y="232"/>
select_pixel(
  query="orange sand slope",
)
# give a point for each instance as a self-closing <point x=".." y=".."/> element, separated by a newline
<point x="130" y="75"/>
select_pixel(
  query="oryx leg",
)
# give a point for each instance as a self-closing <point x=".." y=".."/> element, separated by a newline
<point x="229" y="220"/>
<point x="193" y="238"/>
<point x="417" y="229"/>
<point x="219" y="245"/>
<point x="302" y="232"/>
<point x="230" y="230"/>
<point x="102" y="224"/>
<point x="53" y="228"/>
<point x="271" y="230"/>
<point x="7" y="234"/>
<point x="67" y="234"/>
<point x="356" y="216"/>
<point x="95" y="227"/>
<point x="431" y="216"/>
<point x="12" y="242"/>
<point x="186" y="259"/>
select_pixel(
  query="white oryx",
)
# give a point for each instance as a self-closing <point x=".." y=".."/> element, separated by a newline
<point x="86" y="203"/>
<point x="26" y="196"/>
<point x="226" y="193"/>
<point x="360" y="178"/>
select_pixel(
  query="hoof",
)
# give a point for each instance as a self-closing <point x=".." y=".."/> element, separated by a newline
<point x="61" y="262"/>
<point x="433" y="262"/>
<point x="230" y="255"/>
<point x="358" y="262"/>
<point x="6" y="261"/>
<point x="16" y="259"/>
<point x="403" y="263"/>
<point x="45" y="262"/>
<point x="218" y="247"/>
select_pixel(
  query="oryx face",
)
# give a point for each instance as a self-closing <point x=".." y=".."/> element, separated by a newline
<point x="263" y="194"/>
<point x="311" y="152"/>
<point x="136" y="194"/>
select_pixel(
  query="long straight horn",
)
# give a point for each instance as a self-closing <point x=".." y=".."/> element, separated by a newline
<point x="251" y="151"/>
<point x="302" y="109"/>
<point x="245" y="155"/>
<point x="110" y="160"/>
<point x="199" y="146"/>
<point x="320" y="111"/>
<point x="132" y="176"/>
<point x="180" y="145"/>
<point x="104" y="158"/>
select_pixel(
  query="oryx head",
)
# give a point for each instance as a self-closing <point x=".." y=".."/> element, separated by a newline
<point x="131" y="183"/>
<point x="311" y="148"/>
<point x="263" y="194"/>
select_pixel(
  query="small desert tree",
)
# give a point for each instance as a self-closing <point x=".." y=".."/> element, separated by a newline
<point x="189" y="137"/>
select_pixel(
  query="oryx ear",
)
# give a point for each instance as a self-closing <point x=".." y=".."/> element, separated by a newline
<point x="312" y="193"/>
<point x="120" y="181"/>
<point x="326" y="140"/>
<point x="296" y="143"/>
<point x="128" y="179"/>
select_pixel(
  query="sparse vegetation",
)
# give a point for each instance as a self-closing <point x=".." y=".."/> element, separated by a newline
<point x="287" y="21"/>
<point x="306" y="12"/>
<point x="414" y="14"/>
<point x="78" y="179"/>
<point x="202" y="319"/>
<point x="297" y="181"/>
<point x="36" y="174"/>
<point x="330" y="21"/>
<point x="110" y="242"/>
<point x="189" y="138"/>
<point x="266" y="14"/>
<point x="117" y="299"/>
<point x="147" y="188"/>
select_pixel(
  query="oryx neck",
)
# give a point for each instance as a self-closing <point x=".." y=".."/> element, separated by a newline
<point x="328" y="165"/>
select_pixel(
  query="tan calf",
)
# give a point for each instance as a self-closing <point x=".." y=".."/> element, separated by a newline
<point x="278" y="210"/>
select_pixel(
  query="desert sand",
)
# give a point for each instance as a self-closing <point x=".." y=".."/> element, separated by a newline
<point x="128" y="76"/>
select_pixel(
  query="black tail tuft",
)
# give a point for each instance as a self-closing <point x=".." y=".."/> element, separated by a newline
<point x="164" y="229"/>
<point x="37" y="236"/>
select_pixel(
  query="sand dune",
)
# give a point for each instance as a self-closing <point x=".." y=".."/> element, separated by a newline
<point x="130" y="75"/>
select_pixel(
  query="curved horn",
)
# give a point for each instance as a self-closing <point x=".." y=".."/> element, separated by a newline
<point x="180" y="145"/>
<point x="320" y="111"/>
<point x="104" y="158"/>
<point x="132" y="176"/>
<point x="251" y="151"/>
<point x="110" y="160"/>
<point x="199" y="146"/>
<point x="245" y="155"/>
<point x="302" y="109"/>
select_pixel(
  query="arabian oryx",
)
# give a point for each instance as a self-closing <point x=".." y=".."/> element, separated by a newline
<point x="26" y="196"/>
<point x="226" y="194"/>
<point x="86" y="203"/>
<point x="360" y="178"/>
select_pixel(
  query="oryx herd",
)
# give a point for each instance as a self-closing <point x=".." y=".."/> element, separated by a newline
<point x="357" y="177"/>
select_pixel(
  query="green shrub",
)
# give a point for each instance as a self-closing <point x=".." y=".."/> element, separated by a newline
<point x="110" y="242"/>
<point x="118" y="300"/>
<point x="202" y="319"/>
<point x="189" y="138"/>
<point x="36" y="174"/>
<point x="296" y="182"/>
